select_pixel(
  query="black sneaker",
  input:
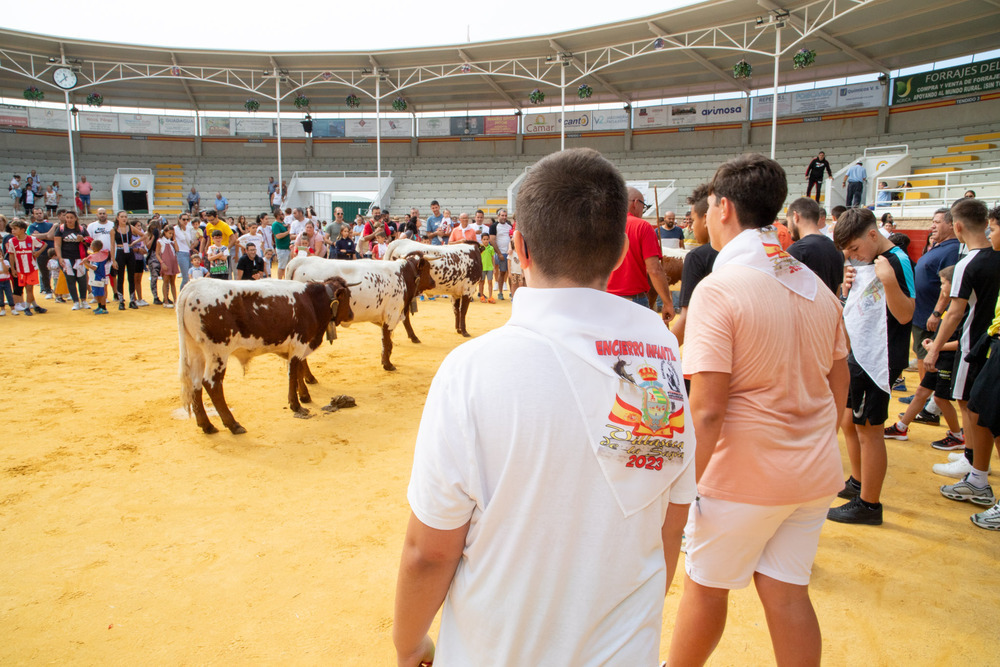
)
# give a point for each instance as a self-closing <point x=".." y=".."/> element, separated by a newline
<point x="851" y="489"/>
<point x="924" y="417"/>
<point x="133" y="305"/>
<point x="855" y="512"/>
<point x="157" y="302"/>
<point x="121" y="305"/>
<point x="27" y="311"/>
<point x="40" y="310"/>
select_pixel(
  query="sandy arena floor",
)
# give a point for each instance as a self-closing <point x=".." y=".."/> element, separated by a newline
<point x="129" y="537"/>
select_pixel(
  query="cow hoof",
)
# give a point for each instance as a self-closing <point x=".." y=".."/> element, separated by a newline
<point x="236" y="429"/>
<point x="310" y="380"/>
<point x="388" y="367"/>
<point x="414" y="339"/>
<point x="305" y="398"/>
<point x="209" y="429"/>
<point x="466" y="334"/>
<point x="301" y="413"/>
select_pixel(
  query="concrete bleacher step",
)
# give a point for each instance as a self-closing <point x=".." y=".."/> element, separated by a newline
<point x="971" y="148"/>
<point x="935" y="170"/>
<point x="988" y="136"/>
<point x="952" y="159"/>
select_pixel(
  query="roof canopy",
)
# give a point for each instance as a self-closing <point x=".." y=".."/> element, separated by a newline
<point x="688" y="51"/>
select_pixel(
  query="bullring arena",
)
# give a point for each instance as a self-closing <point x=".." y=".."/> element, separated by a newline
<point x="130" y="537"/>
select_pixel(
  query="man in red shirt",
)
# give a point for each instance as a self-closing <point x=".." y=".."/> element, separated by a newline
<point x="642" y="261"/>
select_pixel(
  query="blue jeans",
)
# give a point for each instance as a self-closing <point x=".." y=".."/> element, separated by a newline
<point x="184" y="262"/>
<point x="6" y="291"/>
<point x="640" y="299"/>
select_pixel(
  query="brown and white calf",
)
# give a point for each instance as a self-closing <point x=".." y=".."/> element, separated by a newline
<point x="382" y="292"/>
<point x="456" y="270"/>
<point x="673" y="266"/>
<point x="218" y="319"/>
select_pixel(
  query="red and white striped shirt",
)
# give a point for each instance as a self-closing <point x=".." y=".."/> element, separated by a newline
<point x="23" y="253"/>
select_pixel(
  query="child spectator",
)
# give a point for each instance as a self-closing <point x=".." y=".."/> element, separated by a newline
<point x="345" y="245"/>
<point x="488" y="254"/>
<point x="516" y="273"/>
<point x="197" y="270"/>
<point x="166" y="253"/>
<point x="96" y="263"/>
<point x="218" y="257"/>
<point x="5" y="290"/>
<point x="59" y="291"/>
<point x="302" y="246"/>
<point x="24" y="250"/>
<point x="379" y="247"/>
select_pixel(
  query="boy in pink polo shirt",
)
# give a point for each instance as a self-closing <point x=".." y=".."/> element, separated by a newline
<point x="766" y="348"/>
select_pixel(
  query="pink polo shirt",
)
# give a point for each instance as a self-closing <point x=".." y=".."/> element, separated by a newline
<point x="778" y="444"/>
<point x="83" y="188"/>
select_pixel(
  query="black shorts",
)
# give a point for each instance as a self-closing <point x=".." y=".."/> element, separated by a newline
<point x="940" y="380"/>
<point x="964" y="375"/>
<point x="868" y="403"/>
<point x="984" y="399"/>
<point x="15" y="286"/>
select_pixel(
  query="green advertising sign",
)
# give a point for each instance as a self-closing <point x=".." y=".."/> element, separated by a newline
<point x="970" y="79"/>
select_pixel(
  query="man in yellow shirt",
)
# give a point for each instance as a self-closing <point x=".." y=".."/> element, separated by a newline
<point x="213" y="222"/>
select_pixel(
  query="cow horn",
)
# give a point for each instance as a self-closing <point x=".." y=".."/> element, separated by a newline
<point x="354" y="284"/>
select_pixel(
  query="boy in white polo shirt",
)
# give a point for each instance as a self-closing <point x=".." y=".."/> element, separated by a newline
<point x="550" y="530"/>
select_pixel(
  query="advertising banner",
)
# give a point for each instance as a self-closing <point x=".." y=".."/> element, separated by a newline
<point x="762" y="105"/>
<point x="434" y="127"/>
<point x="328" y="127"/>
<point x="812" y="101"/>
<point x="397" y="127"/>
<point x="216" y="127"/>
<point x="608" y="119"/>
<point x="860" y="95"/>
<point x="359" y="127"/>
<point x="11" y="116"/>
<point x="541" y="123"/>
<point x="293" y="128"/>
<point x="501" y="125"/>
<point x="256" y="127"/>
<point x="970" y="79"/>
<point x="722" y="111"/>
<point x="468" y="125"/>
<point x="94" y="121"/>
<point x="177" y="125"/>
<point x="650" y="117"/>
<point x="138" y="124"/>
<point x="47" y="119"/>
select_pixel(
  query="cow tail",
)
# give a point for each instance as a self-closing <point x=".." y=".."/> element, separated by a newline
<point x="187" y="364"/>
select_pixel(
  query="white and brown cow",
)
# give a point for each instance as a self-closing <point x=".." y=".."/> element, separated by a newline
<point x="382" y="292"/>
<point x="456" y="270"/>
<point x="219" y="319"/>
<point x="673" y="266"/>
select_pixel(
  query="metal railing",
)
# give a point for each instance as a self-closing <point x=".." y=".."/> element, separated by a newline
<point x="956" y="184"/>
<point x="340" y="174"/>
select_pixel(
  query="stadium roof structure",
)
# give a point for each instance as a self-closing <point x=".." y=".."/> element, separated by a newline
<point x="687" y="51"/>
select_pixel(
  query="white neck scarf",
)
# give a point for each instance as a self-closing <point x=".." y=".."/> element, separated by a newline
<point x="760" y="249"/>
<point x="623" y="366"/>
<point x="866" y="324"/>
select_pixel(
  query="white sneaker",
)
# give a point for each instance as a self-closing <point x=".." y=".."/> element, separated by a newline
<point x="3" y="312"/>
<point x="954" y="456"/>
<point x="957" y="469"/>
<point x="141" y="303"/>
<point x="48" y="297"/>
<point x="168" y="305"/>
<point x="84" y="306"/>
<point x="91" y="300"/>
<point x="990" y="519"/>
<point x="77" y="306"/>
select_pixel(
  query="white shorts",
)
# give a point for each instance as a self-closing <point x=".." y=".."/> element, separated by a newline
<point x="728" y="541"/>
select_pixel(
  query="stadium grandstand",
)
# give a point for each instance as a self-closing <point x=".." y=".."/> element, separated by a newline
<point x="664" y="97"/>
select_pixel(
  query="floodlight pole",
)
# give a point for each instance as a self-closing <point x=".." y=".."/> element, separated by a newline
<point x="562" y="89"/>
<point x="277" y="106"/>
<point x="774" y="98"/>
<point x="378" y="139"/>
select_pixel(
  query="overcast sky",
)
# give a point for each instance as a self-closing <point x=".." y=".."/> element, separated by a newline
<point x="319" y="26"/>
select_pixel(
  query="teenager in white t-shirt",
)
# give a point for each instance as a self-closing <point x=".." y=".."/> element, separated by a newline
<point x="546" y="539"/>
